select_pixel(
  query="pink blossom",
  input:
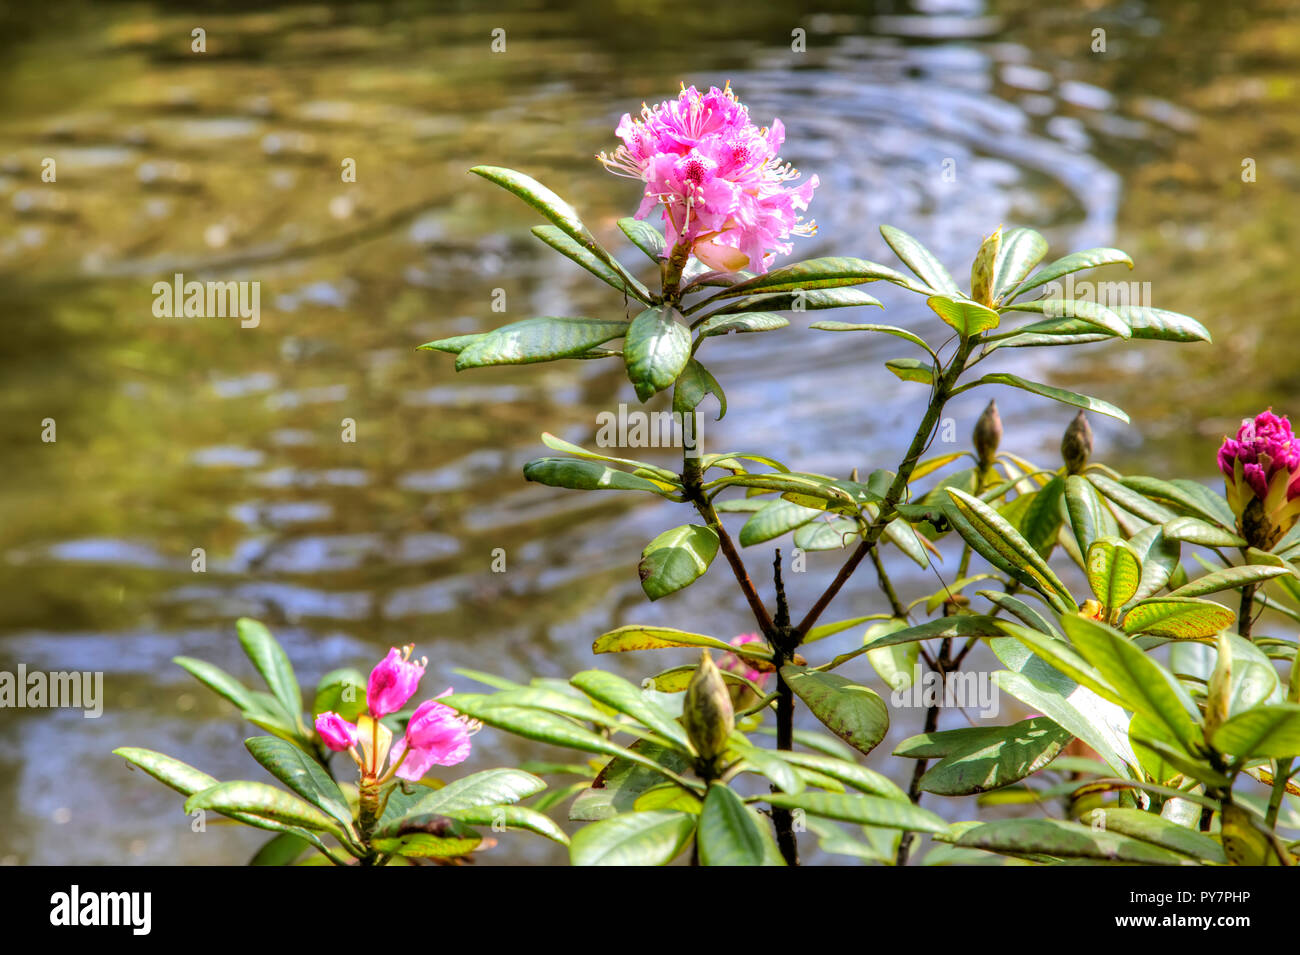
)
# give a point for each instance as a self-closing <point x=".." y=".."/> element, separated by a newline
<point x="1262" y="464"/>
<point x="718" y="178"/>
<point x="337" y="732"/>
<point x="436" y="736"/>
<point x="393" y="682"/>
<point x="733" y="663"/>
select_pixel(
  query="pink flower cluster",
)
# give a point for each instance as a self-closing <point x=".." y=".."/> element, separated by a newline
<point x="718" y="177"/>
<point x="1264" y="447"/>
<point x="435" y="736"/>
<point x="1261" y="470"/>
<point x="734" y="663"/>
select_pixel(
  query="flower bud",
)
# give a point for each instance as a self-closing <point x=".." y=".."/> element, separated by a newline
<point x="336" y="732"/>
<point x="988" y="435"/>
<point x="1076" y="445"/>
<point x="981" y="272"/>
<point x="393" y="682"/>
<point x="707" y="711"/>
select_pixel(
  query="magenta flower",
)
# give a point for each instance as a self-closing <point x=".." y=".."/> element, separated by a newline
<point x="718" y="178"/>
<point x="436" y="736"/>
<point x="393" y="682"/>
<point x="738" y="665"/>
<point x="337" y="732"/>
<point x="1261" y="470"/>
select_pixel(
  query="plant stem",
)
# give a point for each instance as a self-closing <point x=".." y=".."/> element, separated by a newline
<point x="1246" y="613"/>
<point x="783" y="819"/>
<point x="938" y="398"/>
<point x="887" y="586"/>
<point x="1281" y="773"/>
<point x="907" y="840"/>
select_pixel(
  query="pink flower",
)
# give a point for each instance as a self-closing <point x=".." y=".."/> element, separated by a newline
<point x="337" y="732"/>
<point x="737" y="665"/>
<point x="1261" y="470"/>
<point x="393" y="682"/>
<point x="717" y="176"/>
<point x="436" y="736"/>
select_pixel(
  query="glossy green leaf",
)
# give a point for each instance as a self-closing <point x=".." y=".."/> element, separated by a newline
<point x="1148" y="827"/>
<point x="742" y="323"/>
<point x="1230" y="578"/>
<point x="829" y="272"/>
<point x="1157" y="323"/>
<point x="1020" y="251"/>
<point x="544" y="338"/>
<point x="259" y="799"/>
<point x="279" y="850"/>
<point x="302" y="774"/>
<point x="654" y="837"/>
<point x="1186" y="497"/>
<point x="732" y="834"/>
<point x="911" y="369"/>
<point x="273" y="663"/>
<point x="608" y="273"/>
<point x="1066" y="840"/>
<point x="998" y="542"/>
<point x="426" y="836"/>
<point x="1090" y="313"/>
<point x="341" y="691"/>
<point x="218" y="680"/>
<point x="851" y="774"/>
<point x="543" y="200"/>
<point x="581" y="475"/>
<point x="967" y="318"/>
<point x="693" y="385"/>
<point x="1185" y="618"/>
<point x="862" y="809"/>
<point x="488" y="788"/>
<point x="646" y="238"/>
<point x="1041" y="519"/>
<point x="1047" y="391"/>
<point x="799" y="301"/>
<point x="885" y="329"/>
<point x="618" y="693"/>
<point x="896" y="663"/>
<point x="1159" y="556"/>
<point x="1114" y="572"/>
<point x="621" y="783"/>
<point x="1195" y="531"/>
<point x="856" y="714"/>
<point x="920" y="260"/>
<point x="1074" y="262"/>
<point x="1090" y="519"/>
<point x="1269" y="730"/>
<point x="777" y="518"/>
<point x="634" y="637"/>
<point x="657" y="348"/>
<point x="676" y="559"/>
<point x="511" y="817"/>
<point x="981" y="758"/>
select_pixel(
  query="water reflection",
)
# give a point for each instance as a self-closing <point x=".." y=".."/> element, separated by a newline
<point x="175" y="434"/>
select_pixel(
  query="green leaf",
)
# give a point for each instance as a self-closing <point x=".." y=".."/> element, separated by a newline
<point x="966" y="317"/>
<point x="676" y="559"/>
<point x="920" y="260"/>
<point x="1065" y="659"/>
<point x="885" y="329"/>
<point x="1090" y="313"/>
<point x="998" y="542"/>
<point x="622" y="782"/>
<point x="1090" y="519"/>
<point x="799" y="301"/>
<point x="426" y="836"/>
<point x="654" y="837"/>
<point x="856" y="714"/>
<point x="1195" y="531"/>
<point x="1021" y="250"/>
<point x="272" y="662"/>
<point x="618" y="693"/>
<point x="280" y="850"/>
<point x="544" y="338"/>
<point x="895" y="664"/>
<point x="259" y="799"/>
<point x="1130" y="500"/>
<point x="1269" y="730"/>
<point x="851" y="774"/>
<point x="1185" y="618"/>
<point x="633" y="637"/>
<point x="302" y="774"/>
<point x="830" y="272"/>
<point x="582" y="475"/>
<point x="646" y="238"/>
<point x="1191" y="498"/>
<point x="912" y="369"/>
<point x="693" y="385"/>
<point x="1146" y="686"/>
<point x="1047" y="391"/>
<point x="1041" y="520"/>
<point x="864" y="810"/>
<point x="568" y="447"/>
<point x="488" y="788"/>
<point x="657" y="349"/>
<point x="1159" y="556"/>
<point x="776" y="518"/>
<point x="454" y="345"/>
<point x="834" y="534"/>
<point x="1156" y="323"/>
<point x="341" y="691"/>
<point x="1074" y="262"/>
<point x="609" y="274"/>
<point x="731" y="833"/>
<point x="219" y="681"/>
<point x="981" y="758"/>
<point x="1148" y="827"/>
<point x="512" y="817"/>
<point x="769" y="763"/>
<point x="544" y="201"/>
<point x="1114" y="572"/>
<point x="965" y="626"/>
<point x="741" y="323"/>
<point x="1065" y="840"/>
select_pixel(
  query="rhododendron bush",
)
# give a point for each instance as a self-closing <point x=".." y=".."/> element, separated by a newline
<point x="1123" y="611"/>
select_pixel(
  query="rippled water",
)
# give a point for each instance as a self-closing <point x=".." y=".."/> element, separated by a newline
<point x="175" y="434"/>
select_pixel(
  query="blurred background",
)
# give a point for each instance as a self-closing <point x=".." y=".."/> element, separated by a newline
<point x="175" y="434"/>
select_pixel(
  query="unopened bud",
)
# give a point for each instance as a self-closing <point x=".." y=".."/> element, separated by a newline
<point x="981" y="272"/>
<point x="1076" y="445"/>
<point x="988" y="435"/>
<point x="707" y="711"/>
